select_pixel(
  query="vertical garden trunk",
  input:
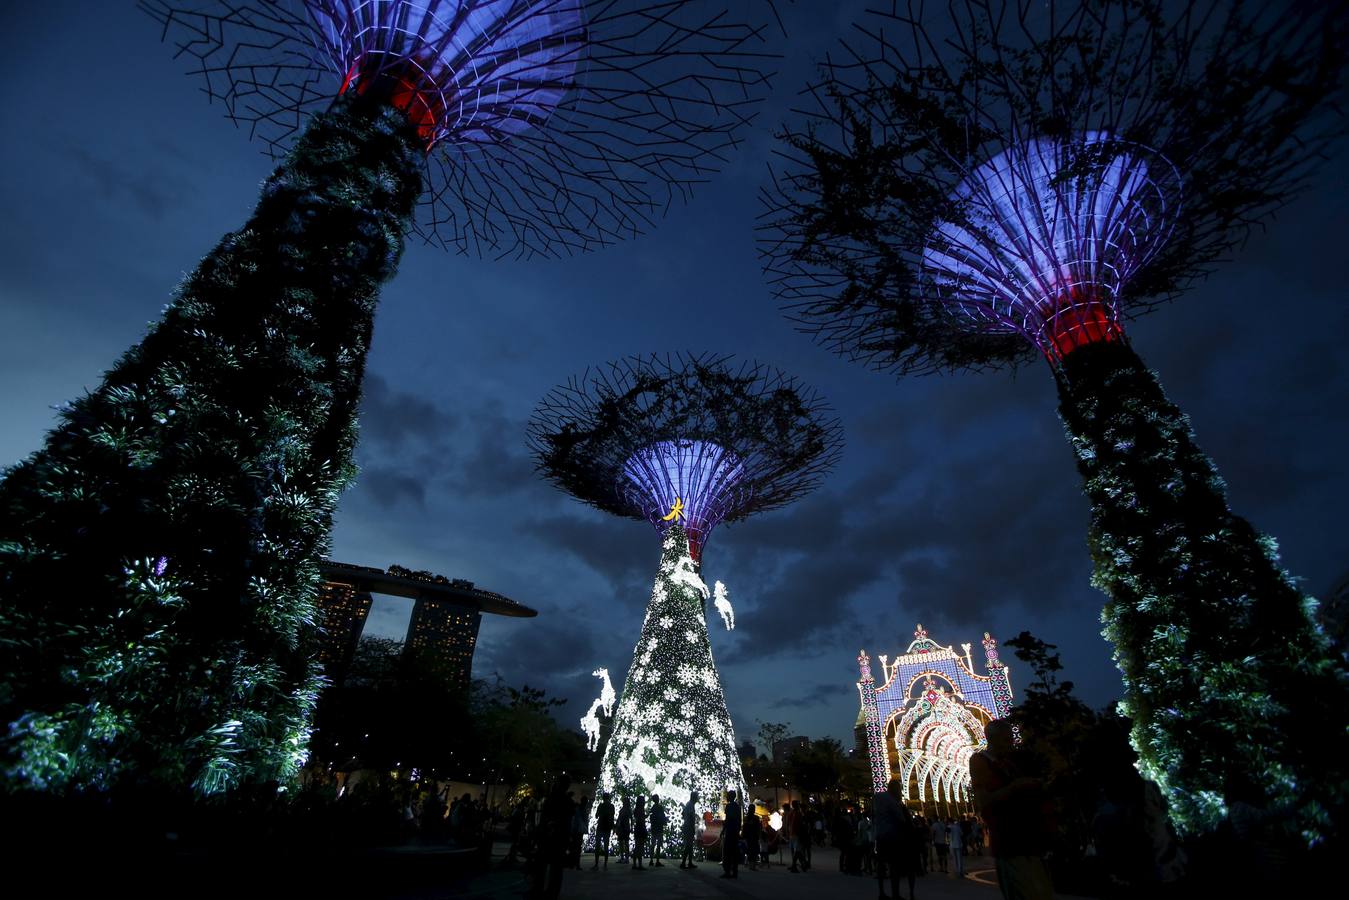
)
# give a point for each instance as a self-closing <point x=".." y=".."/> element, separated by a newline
<point x="158" y="556"/>
<point x="672" y="733"/>
<point x="1231" y="685"/>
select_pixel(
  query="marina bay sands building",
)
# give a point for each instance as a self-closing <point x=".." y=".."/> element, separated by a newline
<point x="442" y="632"/>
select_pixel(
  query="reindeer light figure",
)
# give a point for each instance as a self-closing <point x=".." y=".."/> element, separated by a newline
<point x="723" y="604"/>
<point x="590" y="722"/>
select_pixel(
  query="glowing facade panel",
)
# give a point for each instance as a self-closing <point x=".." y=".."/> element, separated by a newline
<point x="470" y="72"/>
<point x="692" y="483"/>
<point x="937" y="707"/>
<point x="1047" y="234"/>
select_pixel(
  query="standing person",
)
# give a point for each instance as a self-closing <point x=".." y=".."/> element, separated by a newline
<point x="690" y="833"/>
<point x="1011" y="805"/>
<point x="801" y="831"/>
<point x="753" y="825"/>
<point x="956" y="828"/>
<point x="554" y="830"/>
<point x="896" y="840"/>
<point x="658" y="821"/>
<point x="580" y="821"/>
<point x="789" y="814"/>
<point x="516" y="829"/>
<point x="939" y="841"/>
<point x="624" y="827"/>
<point x="978" y="837"/>
<point x="863" y="842"/>
<point x="604" y="828"/>
<point x="730" y="838"/>
<point x="639" y="832"/>
<point x="925" y="852"/>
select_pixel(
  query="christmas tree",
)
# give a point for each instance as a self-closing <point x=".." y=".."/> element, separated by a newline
<point x="672" y="734"/>
<point x="685" y="443"/>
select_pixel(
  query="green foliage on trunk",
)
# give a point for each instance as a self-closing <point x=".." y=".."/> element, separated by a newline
<point x="158" y="556"/>
<point x="1232" y="686"/>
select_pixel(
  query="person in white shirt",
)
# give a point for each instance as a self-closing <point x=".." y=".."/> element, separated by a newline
<point x="939" y="841"/>
<point x="956" y="830"/>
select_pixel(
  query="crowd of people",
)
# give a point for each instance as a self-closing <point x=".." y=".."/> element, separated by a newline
<point x="881" y="839"/>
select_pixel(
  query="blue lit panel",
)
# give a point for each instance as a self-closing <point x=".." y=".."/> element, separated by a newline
<point x="1047" y="234"/>
<point x="476" y="71"/>
<point x="699" y="478"/>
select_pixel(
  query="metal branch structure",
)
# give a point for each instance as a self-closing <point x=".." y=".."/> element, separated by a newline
<point x="683" y="442"/>
<point x="555" y="126"/>
<point x="975" y="184"/>
<point x="969" y="185"/>
<point x="715" y="440"/>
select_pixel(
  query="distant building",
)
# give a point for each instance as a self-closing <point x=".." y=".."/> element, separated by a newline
<point x="442" y="632"/>
<point x="783" y="749"/>
<point x="342" y="613"/>
<point x="747" y="752"/>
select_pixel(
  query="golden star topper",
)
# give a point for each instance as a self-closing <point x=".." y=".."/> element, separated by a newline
<point x="676" y="512"/>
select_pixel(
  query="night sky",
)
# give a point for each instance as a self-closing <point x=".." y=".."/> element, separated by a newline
<point x="956" y="503"/>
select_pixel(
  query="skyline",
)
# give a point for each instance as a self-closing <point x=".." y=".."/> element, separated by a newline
<point x="981" y="527"/>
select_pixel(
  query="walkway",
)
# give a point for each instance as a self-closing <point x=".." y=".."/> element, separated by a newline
<point x="705" y="883"/>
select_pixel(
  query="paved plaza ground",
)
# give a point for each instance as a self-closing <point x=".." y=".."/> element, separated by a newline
<point x="822" y="882"/>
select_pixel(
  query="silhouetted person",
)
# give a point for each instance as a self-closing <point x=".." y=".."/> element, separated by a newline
<point x="800" y="838"/>
<point x="554" y="838"/>
<point x="580" y="821"/>
<point x="639" y="832"/>
<point x="750" y="830"/>
<point x="624" y="829"/>
<point x="940" y="841"/>
<point x="690" y="833"/>
<point x="955" y="831"/>
<point x="658" y="820"/>
<point x="1011" y="803"/>
<point x="866" y="842"/>
<point x="604" y="828"/>
<point x="730" y="838"/>
<point x="897" y="840"/>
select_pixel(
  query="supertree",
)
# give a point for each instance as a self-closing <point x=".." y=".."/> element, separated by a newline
<point x="1007" y="181"/>
<point x="159" y="555"/>
<point x="684" y="443"/>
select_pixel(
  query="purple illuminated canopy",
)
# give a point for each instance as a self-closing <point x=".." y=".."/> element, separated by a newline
<point x="558" y="126"/>
<point x="975" y="183"/>
<point x="485" y="69"/>
<point x="1047" y="233"/>
<point x="693" y="440"/>
<point x="689" y="483"/>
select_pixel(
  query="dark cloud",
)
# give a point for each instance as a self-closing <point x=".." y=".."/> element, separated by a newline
<point x="395" y="420"/>
<point x="391" y="487"/>
<point x="824" y="692"/>
<point x="622" y="552"/>
<point x="152" y="190"/>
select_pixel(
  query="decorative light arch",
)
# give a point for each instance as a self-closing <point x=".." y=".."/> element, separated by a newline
<point x="927" y="686"/>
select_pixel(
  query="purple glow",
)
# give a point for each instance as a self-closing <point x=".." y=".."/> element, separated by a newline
<point x="701" y="475"/>
<point x="482" y="70"/>
<point x="1051" y="234"/>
